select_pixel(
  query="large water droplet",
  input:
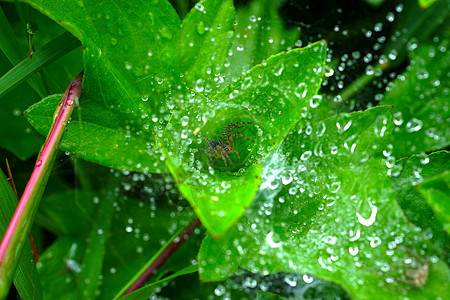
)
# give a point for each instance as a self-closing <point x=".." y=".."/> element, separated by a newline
<point x="414" y="125"/>
<point x="301" y="90"/>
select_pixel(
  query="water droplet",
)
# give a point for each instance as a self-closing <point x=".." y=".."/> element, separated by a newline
<point x="184" y="121"/>
<point x="199" y="7"/>
<point x="165" y="33"/>
<point x="246" y="83"/>
<point x="369" y="221"/>
<point x="308" y="279"/>
<point x="113" y="41"/>
<point x="145" y="98"/>
<point x="291" y="280"/>
<point x="199" y="87"/>
<point x="380" y="126"/>
<point x="149" y="53"/>
<point x="271" y="242"/>
<point x="414" y="125"/>
<point x="306" y="155"/>
<point x="200" y="28"/>
<point x="398" y="120"/>
<point x="390" y="16"/>
<point x="301" y="90"/>
<point x="353" y="251"/>
<point x="39" y="163"/>
<point x="278" y="69"/>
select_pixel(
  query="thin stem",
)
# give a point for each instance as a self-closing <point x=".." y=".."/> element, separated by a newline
<point x="20" y="225"/>
<point x="163" y="256"/>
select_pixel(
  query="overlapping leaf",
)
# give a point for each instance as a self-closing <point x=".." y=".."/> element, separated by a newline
<point x="134" y="70"/>
<point x="269" y="100"/>
<point x="421" y="103"/>
<point x="331" y="213"/>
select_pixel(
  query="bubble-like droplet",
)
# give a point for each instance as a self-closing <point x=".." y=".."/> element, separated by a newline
<point x="184" y="121"/>
<point x="414" y="125"/>
<point x="39" y="163"/>
<point x="144" y="98"/>
<point x="199" y="87"/>
<point x="165" y="33"/>
<point x="200" y="28"/>
<point x="301" y="90"/>
<point x="199" y="7"/>
<point x="398" y="120"/>
<point x="271" y="242"/>
<point x="380" y="126"/>
<point x="278" y="69"/>
<point x="367" y="221"/>
<point x="113" y="41"/>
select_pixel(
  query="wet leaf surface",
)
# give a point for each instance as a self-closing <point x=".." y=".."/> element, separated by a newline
<point x="331" y="213"/>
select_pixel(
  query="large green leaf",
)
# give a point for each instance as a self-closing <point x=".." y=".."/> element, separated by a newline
<point x="132" y="66"/>
<point x="207" y="32"/>
<point x="94" y="134"/>
<point x="270" y="98"/>
<point x="26" y="278"/>
<point x="328" y="209"/>
<point x="421" y="102"/>
<point x="260" y="32"/>
<point x="406" y="174"/>
<point x="435" y="190"/>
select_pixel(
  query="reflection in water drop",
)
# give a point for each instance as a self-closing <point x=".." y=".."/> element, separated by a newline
<point x="271" y="242"/>
<point x="414" y="125"/>
<point x="369" y="221"/>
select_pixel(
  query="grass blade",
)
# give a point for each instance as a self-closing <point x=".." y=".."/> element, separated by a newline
<point x="55" y="49"/>
<point x="15" y="53"/>
<point x="26" y="278"/>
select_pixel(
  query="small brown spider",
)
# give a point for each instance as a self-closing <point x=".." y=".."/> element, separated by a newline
<point x="225" y="145"/>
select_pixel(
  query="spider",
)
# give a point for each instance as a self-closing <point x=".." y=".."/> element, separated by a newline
<point x="223" y="147"/>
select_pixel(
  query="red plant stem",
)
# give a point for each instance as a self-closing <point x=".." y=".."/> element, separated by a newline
<point x="184" y="236"/>
<point x="20" y="224"/>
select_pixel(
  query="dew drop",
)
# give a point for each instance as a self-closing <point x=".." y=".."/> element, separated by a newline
<point x="200" y="28"/>
<point x="199" y="87"/>
<point x="301" y="90"/>
<point x="184" y="121"/>
<point x="271" y="242"/>
<point x="39" y="163"/>
<point x="199" y="7"/>
<point x="414" y="125"/>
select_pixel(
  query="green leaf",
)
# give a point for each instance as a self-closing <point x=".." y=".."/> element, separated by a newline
<point x="206" y="37"/>
<point x="426" y="3"/>
<point x="268" y="296"/>
<point x="375" y="3"/>
<point x="152" y="288"/>
<point x="15" y="52"/>
<point x="74" y="218"/>
<point x="60" y="267"/>
<point x="329" y="210"/>
<point x="273" y="96"/>
<point x="138" y="231"/>
<point x="435" y="190"/>
<point x="26" y="277"/>
<point x="406" y="174"/>
<point x="420" y="103"/>
<point x="260" y="33"/>
<point x="95" y="249"/>
<point x="51" y="52"/>
<point x="131" y="60"/>
<point x="93" y="135"/>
